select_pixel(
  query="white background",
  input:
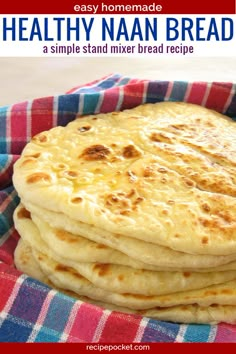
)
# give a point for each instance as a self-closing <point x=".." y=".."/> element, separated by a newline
<point x="28" y="78"/>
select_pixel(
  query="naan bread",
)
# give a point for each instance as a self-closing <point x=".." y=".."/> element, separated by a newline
<point x="25" y="262"/>
<point x="67" y="247"/>
<point x="124" y="279"/>
<point x="146" y="253"/>
<point x="81" y="250"/>
<point x="194" y="314"/>
<point x="163" y="173"/>
<point x="211" y="305"/>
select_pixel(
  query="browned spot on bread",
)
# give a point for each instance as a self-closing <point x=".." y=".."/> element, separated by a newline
<point x="120" y="277"/>
<point x="178" y="126"/>
<point x="125" y="212"/>
<point x="210" y="292"/>
<point x="60" y="166"/>
<point x="35" y="155"/>
<point x="187" y="297"/>
<point x="162" y="170"/>
<point x="220" y="220"/>
<point x="205" y="222"/>
<point x="76" y="200"/>
<point x="130" y="151"/>
<point x="205" y="240"/>
<point x="138" y="200"/>
<point x="114" y="199"/>
<point x="38" y="177"/>
<point x="164" y="180"/>
<point x="226" y="216"/>
<point x="64" y="235"/>
<point x="40" y="138"/>
<point x="170" y="202"/>
<point x="148" y="171"/>
<point x="69" y="174"/>
<point x="206" y="207"/>
<point x="75" y="273"/>
<point x="102" y="269"/>
<point x="28" y="161"/>
<point x="122" y="194"/>
<point x="95" y="152"/>
<point x="114" y="159"/>
<point x="186" y="274"/>
<point x="155" y="137"/>
<point x="227" y="291"/>
<point x="184" y="308"/>
<point x="160" y="137"/>
<point x="23" y="214"/>
<point x="188" y="182"/>
<point x="101" y="246"/>
<point x="84" y="128"/>
<point x="62" y="268"/>
<point x="123" y="203"/>
<point x="131" y="193"/>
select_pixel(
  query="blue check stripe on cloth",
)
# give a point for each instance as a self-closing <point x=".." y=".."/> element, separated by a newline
<point x="31" y="311"/>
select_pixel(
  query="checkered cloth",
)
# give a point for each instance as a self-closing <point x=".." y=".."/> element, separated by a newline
<point x="31" y="311"/>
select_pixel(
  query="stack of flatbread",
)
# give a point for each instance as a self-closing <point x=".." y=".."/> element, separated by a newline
<point x="134" y="211"/>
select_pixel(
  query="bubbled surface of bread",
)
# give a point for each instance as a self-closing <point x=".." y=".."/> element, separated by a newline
<point x="162" y="173"/>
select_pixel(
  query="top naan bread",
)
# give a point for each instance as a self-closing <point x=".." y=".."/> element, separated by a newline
<point x="163" y="173"/>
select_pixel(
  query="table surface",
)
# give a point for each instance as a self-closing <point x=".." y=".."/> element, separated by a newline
<point x="27" y="78"/>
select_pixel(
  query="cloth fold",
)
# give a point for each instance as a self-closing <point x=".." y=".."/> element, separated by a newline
<point x="31" y="311"/>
